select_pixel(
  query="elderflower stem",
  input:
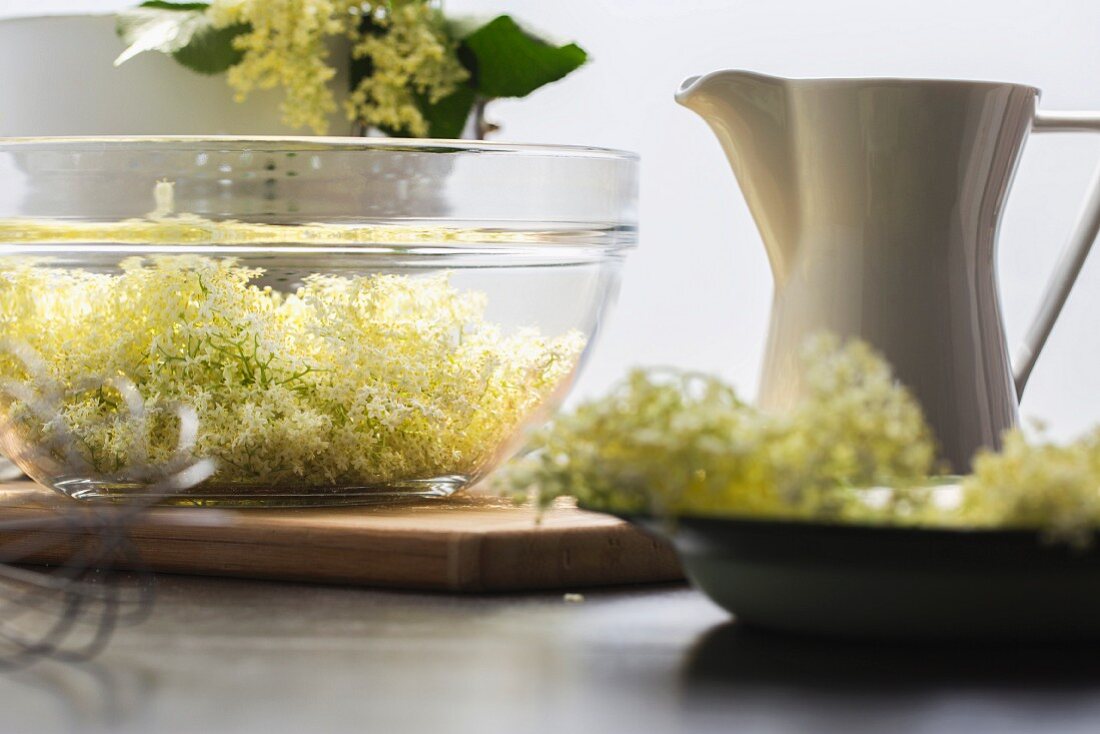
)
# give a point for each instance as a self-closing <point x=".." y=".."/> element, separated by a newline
<point x="164" y="196"/>
<point x="482" y="127"/>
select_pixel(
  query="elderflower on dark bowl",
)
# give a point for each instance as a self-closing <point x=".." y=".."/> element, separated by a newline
<point x="832" y="519"/>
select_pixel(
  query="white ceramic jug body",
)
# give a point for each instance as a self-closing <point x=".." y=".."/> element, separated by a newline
<point x="878" y="201"/>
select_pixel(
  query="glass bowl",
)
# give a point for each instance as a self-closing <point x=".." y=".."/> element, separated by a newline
<point x="296" y="321"/>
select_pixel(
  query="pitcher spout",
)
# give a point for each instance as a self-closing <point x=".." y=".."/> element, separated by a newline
<point x="749" y="114"/>
<point x="696" y="89"/>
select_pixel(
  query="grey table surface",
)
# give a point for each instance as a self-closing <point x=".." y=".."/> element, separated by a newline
<point x="220" y="655"/>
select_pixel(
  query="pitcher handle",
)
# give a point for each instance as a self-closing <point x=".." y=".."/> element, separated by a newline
<point x="1073" y="254"/>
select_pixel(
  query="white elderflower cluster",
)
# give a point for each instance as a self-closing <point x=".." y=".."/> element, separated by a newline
<point x="1037" y="485"/>
<point x="358" y="380"/>
<point x="855" y="449"/>
<point x="287" y="46"/>
<point x="684" y="443"/>
<point x="412" y="54"/>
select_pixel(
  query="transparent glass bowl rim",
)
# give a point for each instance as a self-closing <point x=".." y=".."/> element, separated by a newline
<point x="319" y="142"/>
<point x="555" y="196"/>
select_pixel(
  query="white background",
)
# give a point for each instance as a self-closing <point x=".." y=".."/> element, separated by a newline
<point x="696" y="292"/>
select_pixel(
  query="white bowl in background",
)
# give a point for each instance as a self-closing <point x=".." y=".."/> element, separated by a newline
<point x="57" y="77"/>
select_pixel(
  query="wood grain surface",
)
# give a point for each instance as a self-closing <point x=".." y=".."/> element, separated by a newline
<point x="463" y="544"/>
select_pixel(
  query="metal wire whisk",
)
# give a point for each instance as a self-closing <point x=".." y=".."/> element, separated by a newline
<point x="68" y="611"/>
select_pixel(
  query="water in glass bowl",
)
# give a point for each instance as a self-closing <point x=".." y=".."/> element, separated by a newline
<point x="227" y="348"/>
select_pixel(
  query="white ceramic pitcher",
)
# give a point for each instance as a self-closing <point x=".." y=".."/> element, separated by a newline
<point x="878" y="201"/>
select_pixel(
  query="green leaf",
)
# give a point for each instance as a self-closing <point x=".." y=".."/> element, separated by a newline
<point x="167" y="5"/>
<point x="211" y="50"/>
<point x="507" y="61"/>
<point x="180" y="29"/>
<point x="460" y="26"/>
<point x="447" y="117"/>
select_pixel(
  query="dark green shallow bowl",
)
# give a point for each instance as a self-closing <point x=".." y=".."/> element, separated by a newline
<point x="891" y="582"/>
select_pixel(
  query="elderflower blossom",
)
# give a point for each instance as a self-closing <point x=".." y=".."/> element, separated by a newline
<point x="1036" y="485"/>
<point x="855" y="449"/>
<point x="667" y="441"/>
<point x="856" y="427"/>
<point x="683" y="443"/>
<point x="359" y="381"/>
<point x="286" y="46"/>
<point x="412" y="55"/>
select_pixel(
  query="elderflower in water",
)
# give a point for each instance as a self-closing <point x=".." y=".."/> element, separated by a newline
<point x="352" y="381"/>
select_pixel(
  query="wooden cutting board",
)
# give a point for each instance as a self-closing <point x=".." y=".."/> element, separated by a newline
<point x="464" y="544"/>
